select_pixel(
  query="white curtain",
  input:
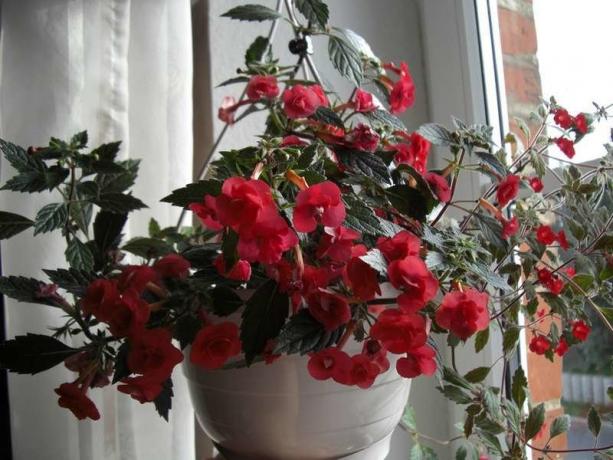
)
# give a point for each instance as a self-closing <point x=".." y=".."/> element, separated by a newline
<point x="123" y="70"/>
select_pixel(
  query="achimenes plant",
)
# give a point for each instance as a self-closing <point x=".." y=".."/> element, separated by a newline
<point x="301" y="232"/>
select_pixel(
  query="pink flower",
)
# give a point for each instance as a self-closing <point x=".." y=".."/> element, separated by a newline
<point x="439" y="186"/>
<point x="301" y="101"/>
<point x="321" y="95"/>
<point x="402" y="95"/>
<point x="414" y="154"/>
<point x="266" y="240"/>
<point x="361" y="277"/>
<point x="399" y="332"/>
<point x="320" y="202"/>
<point x="329" y="309"/>
<point x="227" y="110"/>
<point x="363" y="101"/>
<point x="262" y="87"/>
<point x="330" y="363"/>
<point x="244" y="202"/>
<point x="419" y="361"/>
<point x="292" y="141"/>
<point x="464" y="313"/>
<point x="401" y="245"/>
<point x="215" y="344"/>
<point x="509" y="227"/>
<point x="127" y="316"/>
<point x="507" y="189"/>
<point x="207" y="212"/>
<point x="362" y="137"/>
<point x="411" y="275"/>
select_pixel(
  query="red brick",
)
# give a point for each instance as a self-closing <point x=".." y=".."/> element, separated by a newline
<point x="517" y="32"/>
<point x="523" y="83"/>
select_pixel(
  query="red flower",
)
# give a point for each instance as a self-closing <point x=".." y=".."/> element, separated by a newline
<point x="539" y="344"/>
<point x="215" y="344"/>
<point x="509" y="227"/>
<point x="412" y="276"/>
<point x="330" y="363"/>
<point x="439" y="186"/>
<point x="563" y="242"/>
<point x="301" y="101"/>
<point x="362" y="137"/>
<point x="140" y="388"/>
<point x="243" y="202"/>
<point x="464" y="313"/>
<point x="581" y="124"/>
<point x="363" y="102"/>
<point x="361" y="277"/>
<point x="74" y="398"/>
<point x="562" y="118"/>
<point x="227" y="109"/>
<point x="314" y="278"/>
<point x="402" y="95"/>
<point x="336" y="243"/>
<point x="399" y="332"/>
<point x="320" y="202"/>
<point x="136" y="277"/>
<point x="545" y="235"/>
<point x="417" y="362"/>
<point x="153" y="355"/>
<point x="544" y="275"/>
<point x="241" y="271"/>
<point x="207" y="212"/>
<point x="555" y="285"/>
<point x="562" y="347"/>
<point x="536" y="183"/>
<point x="321" y="95"/>
<point x="172" y="266"/>
<point x="329" y="309"/>
<point x="363" y="371"/>
<point x="262" y="87"/>
<point x="570" y="271"/>
<point x="580" y="330"/>
<point x="291" y="141"/>
<point x="414" y="154"/>
<point x="127" y="316"/>
<point x="507" y="189"/>
<point x="100" y="294"/>
<point x="376" y="353"/>
<point x="566" y="145"/>
<point x="401" y="245"/>
<point x="266" y="241"/>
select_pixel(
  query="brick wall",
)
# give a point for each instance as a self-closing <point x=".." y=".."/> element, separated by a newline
<point x="523" y="87"/>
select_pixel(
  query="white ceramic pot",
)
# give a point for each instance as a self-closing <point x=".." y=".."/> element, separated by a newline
<point x="278" y="411"/>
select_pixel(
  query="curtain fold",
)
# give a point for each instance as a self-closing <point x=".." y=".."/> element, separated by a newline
<point x="122" y="69"/>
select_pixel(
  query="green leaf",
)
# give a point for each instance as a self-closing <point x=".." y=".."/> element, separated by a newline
<point x="50" y="217"/>
<point x="256" y="50"/>
<point x="381" y="117"/>
<point x="224" y="301"/>
<point x="493" y="162"/>
<point x="420" y="452"/>
<point x="251" y="13"/>
<point x="19" y="158"/>
<point x="408" y="418"/>
<point x="346" y="59"/>
<point x="367" y="164"/>
<point x="12" y="224"/>
<point x="410" y="201"/>
<point x="29" y="182"/>
<point x="455" y="394"/>
<point x="147" y="248"/>
<point x="374" y="258"/>
<point x="535" y="421"/>
<point x="107" y="230"/>
<point x="361" y="218"/>
<point x="358" y="42"/>
<point x="436" y="134"/>
<point x="119" y="203"/>
<point x="24" y="290"/>
<point x="33" y="353"/>
<point x="593" y="422"/>
<point x="510" y="339"/>
<point x="559" y="425"/>
<point x="193" y="193"/>
<point x="518" y="387"/>
<point x="79" y="140"/>
<point x="303" y="334"/>
<point x="467" y="452"/>
<point x="232" y="81"/>
<point x="72" y="280"/>
<point x="229" y="249"/>
<point x="481" y="339"/>
<point x="315" y="11"/>
<point x="327" y="116"/>
<point x="163" y="402"/>
<point x="79" y="256"/>
<point x="186" y="329"/>
<point x="477" y="375"/>
<point x="263" y="317"/>
<point x="107" y="152"/>
<point x="121" y="363"/>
